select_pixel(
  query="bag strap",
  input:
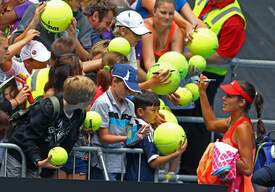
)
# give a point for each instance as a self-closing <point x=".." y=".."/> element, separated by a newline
<point x="56" y="108"/>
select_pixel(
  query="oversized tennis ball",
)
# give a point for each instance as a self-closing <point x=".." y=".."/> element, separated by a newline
<point x="186" y="96"/>
<point x="120" y="45"/>
<point x="205" y="42"/>
<point x="168" y="116"/>
<point x="198" y="62"/>
<point x="57" y="16"/>
<point x="162" y="105"/>
<point x="92" y="121"/>
<point x="194" y="89"/>
<point x="165" y="89"/>
<point x="168" y="136"/>
<point x="178" y="60"/>
<point x="59" y="156"/>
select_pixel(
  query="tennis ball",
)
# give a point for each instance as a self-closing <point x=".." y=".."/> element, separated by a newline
<point x="168" y="136"/>
<point x="198" y="62"/>
<point x="178" y="60"/>
<point x="162" y="106"/>
<point x="168" y="116"/>
<point x="186" y="96"/>
<point x="92" y="121"/>
<point x="165" y="89"/>
<point x="57" y="16"/>
<point x="194" y="89"/>
<point x="59" y="156"/>
<point x="205" y="42"/>
<point x="120" y="45"/>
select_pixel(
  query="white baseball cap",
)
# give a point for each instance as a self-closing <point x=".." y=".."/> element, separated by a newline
<point x="35" y="50"/>
<point x="132" y="20"/>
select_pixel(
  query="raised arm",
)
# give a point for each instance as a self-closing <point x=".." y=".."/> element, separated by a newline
<point x="211" y="122"/>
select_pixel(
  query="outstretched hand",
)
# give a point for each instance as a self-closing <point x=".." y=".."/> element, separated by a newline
<point x="46" y="163"/>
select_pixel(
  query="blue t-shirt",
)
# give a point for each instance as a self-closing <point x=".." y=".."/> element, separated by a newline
<point x="150" y="153"/>
<point x="144" y="13"/>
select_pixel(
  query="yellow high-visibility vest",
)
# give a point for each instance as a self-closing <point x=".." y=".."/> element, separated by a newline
<point x="37" y="81"/>
<point x="215" y="20"/>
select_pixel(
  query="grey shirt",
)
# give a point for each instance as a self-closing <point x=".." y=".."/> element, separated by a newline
<point x="116" y="119"/>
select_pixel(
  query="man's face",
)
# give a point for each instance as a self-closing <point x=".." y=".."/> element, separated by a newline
<point x="4" y="50"/>
<point x="101" y="25"/>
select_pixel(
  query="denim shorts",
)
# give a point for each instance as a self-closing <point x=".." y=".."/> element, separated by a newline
<point x="81" y="166"/>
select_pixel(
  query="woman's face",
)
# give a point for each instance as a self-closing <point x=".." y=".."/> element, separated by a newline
<point x="164" y="14"/>
<point x="10" y="93"/>
<point x="131" y="37"/>
<point x="231" y="103"/>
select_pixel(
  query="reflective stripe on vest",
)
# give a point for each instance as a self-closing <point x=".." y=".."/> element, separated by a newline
<point x="215" y="20"/>
<point x="37" y="82"/>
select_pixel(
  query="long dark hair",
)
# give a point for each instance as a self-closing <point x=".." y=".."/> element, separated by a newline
<point x="65" y="63"/>
<point x="258" y="104"/>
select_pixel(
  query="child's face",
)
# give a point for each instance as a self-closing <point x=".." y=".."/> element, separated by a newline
<point x="149" y="114"/>
<point x="121" y="90"/>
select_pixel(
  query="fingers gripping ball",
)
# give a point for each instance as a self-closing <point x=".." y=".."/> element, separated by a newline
<point x="194" y="89"/>
<point x="198" y="62"/>
<point x="59" y="156"/>
<point x="174" y="79"/>
<point x="176" y="59"/>
<point x="168" y="116"/>
<point x="92" y="121"/>
<point x="204" y="43"/>
<point x="57" y="16"/>
<point x="119" y="45"/>
<point x="168" y="136"/>
<point x="186" y="96"/>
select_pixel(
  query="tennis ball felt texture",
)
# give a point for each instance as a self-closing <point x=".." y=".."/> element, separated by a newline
<point x="186" y="96"/>
<point x="165" y="89"/>
<point x="57" y="16"/>
<point x="168" y="136"/>
<point x="59" y="156"/>
<point x="204" y="42"/>
<point x="162" y="106"/>
<point x="168" y="116"/>
<point x="198" y="62"/>
<point x="119" y="45"/>
<point x="92" y="121"/>
<point x="176" y="59"/>
<point x="194" y="89"/>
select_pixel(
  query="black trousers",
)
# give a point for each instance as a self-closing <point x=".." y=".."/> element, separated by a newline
<point x="265" y="176"/>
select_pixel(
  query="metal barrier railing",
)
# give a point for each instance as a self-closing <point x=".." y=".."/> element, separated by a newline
<point x="7" y="146"/>
<point x="100" y="151"/>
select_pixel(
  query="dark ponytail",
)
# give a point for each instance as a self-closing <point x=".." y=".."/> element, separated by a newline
<point x="258" y="103"/>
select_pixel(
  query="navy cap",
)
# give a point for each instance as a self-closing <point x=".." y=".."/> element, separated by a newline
<point x="128" y="74"/>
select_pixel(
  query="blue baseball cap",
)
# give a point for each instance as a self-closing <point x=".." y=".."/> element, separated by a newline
<point x="128" y="74"/>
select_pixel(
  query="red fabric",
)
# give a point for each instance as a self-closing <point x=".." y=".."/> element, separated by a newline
<point x="232" y="35"/>
<point x="167" y="47"/>
<point x="246" y="184"/>
<point x="98" y="93"/>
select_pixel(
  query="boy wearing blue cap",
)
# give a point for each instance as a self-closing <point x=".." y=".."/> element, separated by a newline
<point x="117" y="113"/>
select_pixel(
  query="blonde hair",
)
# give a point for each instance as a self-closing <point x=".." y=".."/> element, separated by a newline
<point x="78" y="89"/>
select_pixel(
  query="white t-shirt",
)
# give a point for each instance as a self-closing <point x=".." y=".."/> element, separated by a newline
<point x="19" y="67"/>
<point x="132" y="58"/>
